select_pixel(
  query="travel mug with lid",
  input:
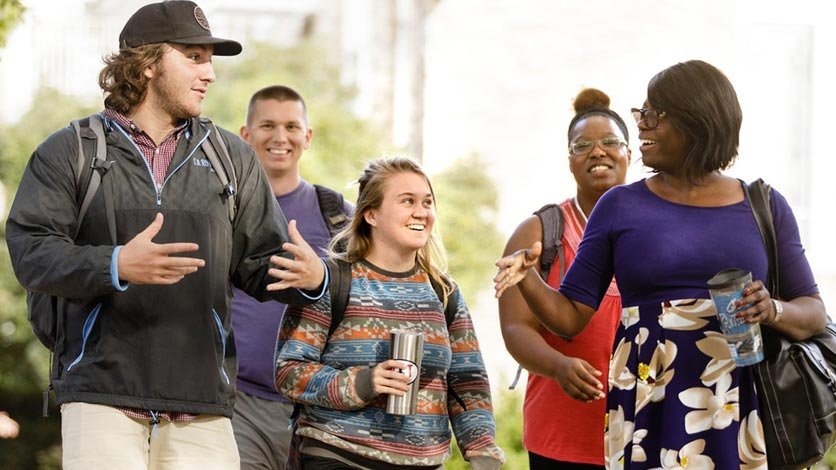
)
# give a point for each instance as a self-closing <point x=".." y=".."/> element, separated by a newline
<point x="743" y="339"/>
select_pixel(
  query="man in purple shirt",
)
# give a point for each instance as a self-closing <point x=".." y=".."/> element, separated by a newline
<point x="277" y="129"/>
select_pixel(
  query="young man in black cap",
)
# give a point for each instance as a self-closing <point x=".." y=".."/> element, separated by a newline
<point x="144" y="365"/>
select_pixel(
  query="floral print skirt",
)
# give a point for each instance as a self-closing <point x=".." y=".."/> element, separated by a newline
<point x="676" y="399"/>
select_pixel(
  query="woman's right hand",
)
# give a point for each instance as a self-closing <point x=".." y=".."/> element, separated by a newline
<point x="514" y="267"/>
<point x="387" y="378"/>
<point x="579" y="380"/>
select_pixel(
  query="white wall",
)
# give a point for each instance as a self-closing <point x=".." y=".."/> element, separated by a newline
<point x="501" y="77"/>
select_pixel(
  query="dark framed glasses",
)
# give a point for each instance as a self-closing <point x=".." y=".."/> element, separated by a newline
<point x="650" y="116"/>
<point x="583" y="147"/>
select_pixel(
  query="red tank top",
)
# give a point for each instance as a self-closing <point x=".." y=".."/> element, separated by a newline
<point x="555" y="425"/>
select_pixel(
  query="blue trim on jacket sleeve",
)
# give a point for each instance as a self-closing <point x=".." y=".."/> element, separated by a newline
<point x="324" y="288"/>
<point x="114" y="270"/>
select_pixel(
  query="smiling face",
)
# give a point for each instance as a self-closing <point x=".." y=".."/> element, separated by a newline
<point x="279" y="134"/>
<point x="601" y="168"/>
<point x="662" y="147"/>
<point x="404" y="221"/>
<point x="178" y="82"/>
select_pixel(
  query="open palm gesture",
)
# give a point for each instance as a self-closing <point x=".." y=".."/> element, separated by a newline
<point x="514" y="267"/>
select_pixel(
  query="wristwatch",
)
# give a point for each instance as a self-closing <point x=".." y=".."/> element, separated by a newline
<point x="779" y="310"/>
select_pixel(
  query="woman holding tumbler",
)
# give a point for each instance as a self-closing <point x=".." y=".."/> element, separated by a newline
<point x="675" y="396"/>
<point x="342" y="381"/>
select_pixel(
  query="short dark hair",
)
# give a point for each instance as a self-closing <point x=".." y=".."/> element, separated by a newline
<point x="278" y="93"/>
<point x="702" y="106"/>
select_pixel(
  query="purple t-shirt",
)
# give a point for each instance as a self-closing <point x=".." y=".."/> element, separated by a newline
<point x="660" y="250"/>
<point x="256" y="324"/>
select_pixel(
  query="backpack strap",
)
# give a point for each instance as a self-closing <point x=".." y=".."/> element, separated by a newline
<point x="332" y="207"/>
<point x="551" y="218"/>
<point x="339" y="290"/>
<point x="450" y="304"/>
<point x="213" y="146"/>
<point x="89" y="168"/>
<point x="98" y="166"/>
<point x="332" y="204"/>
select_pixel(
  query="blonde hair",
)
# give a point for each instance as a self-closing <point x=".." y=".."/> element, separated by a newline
<point x="357" y="236"/>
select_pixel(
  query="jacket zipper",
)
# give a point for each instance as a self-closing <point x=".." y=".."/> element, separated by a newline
<point x="85" y="333"/>
<point x="159" y="192"/>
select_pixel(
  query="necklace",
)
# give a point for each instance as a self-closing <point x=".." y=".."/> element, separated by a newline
<point x="580" y="211"/>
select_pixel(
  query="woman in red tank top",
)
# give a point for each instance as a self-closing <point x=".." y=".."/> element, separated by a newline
<point x="564" y="403"/>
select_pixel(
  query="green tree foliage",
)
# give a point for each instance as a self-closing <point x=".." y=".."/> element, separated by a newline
<point x="50" y="111"/>
<point x="23" y="355"/>
<point x="23" y="361"/>
<point x="11" y="11"/>
<point x="467" y="206"/>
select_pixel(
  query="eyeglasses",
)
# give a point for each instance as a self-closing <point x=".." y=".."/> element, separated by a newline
<point x="582" y="147"/>
<point x="649" y="115"/>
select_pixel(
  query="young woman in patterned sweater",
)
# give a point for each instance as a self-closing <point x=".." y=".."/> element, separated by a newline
<point x="342" y="381"/>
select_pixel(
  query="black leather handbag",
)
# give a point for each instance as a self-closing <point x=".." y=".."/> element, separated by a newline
<point x="796" y="383"/>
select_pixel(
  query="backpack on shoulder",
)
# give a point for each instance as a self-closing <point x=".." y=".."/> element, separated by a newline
<point x="340" y="288"/>
<point x="551" y="219"/>
<point x="42" y="309"/>
<point x="332" y="207"/>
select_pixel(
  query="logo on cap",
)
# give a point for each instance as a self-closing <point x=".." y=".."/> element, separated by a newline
<point x="201" y="18"/>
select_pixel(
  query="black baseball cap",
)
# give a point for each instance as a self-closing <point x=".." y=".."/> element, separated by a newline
<point x="178" y="22"/>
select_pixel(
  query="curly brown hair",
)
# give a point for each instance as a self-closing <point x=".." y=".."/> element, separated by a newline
<point x="123" y="80"/>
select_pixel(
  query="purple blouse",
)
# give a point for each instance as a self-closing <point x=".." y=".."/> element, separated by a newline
<point x="660" y="250"/>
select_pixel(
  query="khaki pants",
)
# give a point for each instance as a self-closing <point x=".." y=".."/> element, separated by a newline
<point x="101" y="437"/>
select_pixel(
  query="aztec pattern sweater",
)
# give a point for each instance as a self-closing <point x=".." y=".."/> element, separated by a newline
<point x="330" y="377"/>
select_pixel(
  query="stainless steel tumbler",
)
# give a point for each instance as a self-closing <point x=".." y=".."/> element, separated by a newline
<point x="407" y="347"/>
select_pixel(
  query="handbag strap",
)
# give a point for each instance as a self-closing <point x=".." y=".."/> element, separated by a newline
<point x="759" y="195"/>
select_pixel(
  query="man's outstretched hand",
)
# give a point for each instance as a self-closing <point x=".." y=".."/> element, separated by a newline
<point x="304" y="271"/>
<point x="141" y="261"/>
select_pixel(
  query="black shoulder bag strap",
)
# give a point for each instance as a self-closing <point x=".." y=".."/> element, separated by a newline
<point x="759" y="195"/>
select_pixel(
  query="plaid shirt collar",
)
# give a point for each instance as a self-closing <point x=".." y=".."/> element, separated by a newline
<point x="157" y="156"/>
<point x="138" y="134"/>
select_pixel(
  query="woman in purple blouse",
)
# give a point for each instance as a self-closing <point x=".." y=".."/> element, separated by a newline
<point x="675" y="396"/>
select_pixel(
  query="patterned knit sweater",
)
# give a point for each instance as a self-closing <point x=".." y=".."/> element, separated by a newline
<point x="327" y="375"/>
